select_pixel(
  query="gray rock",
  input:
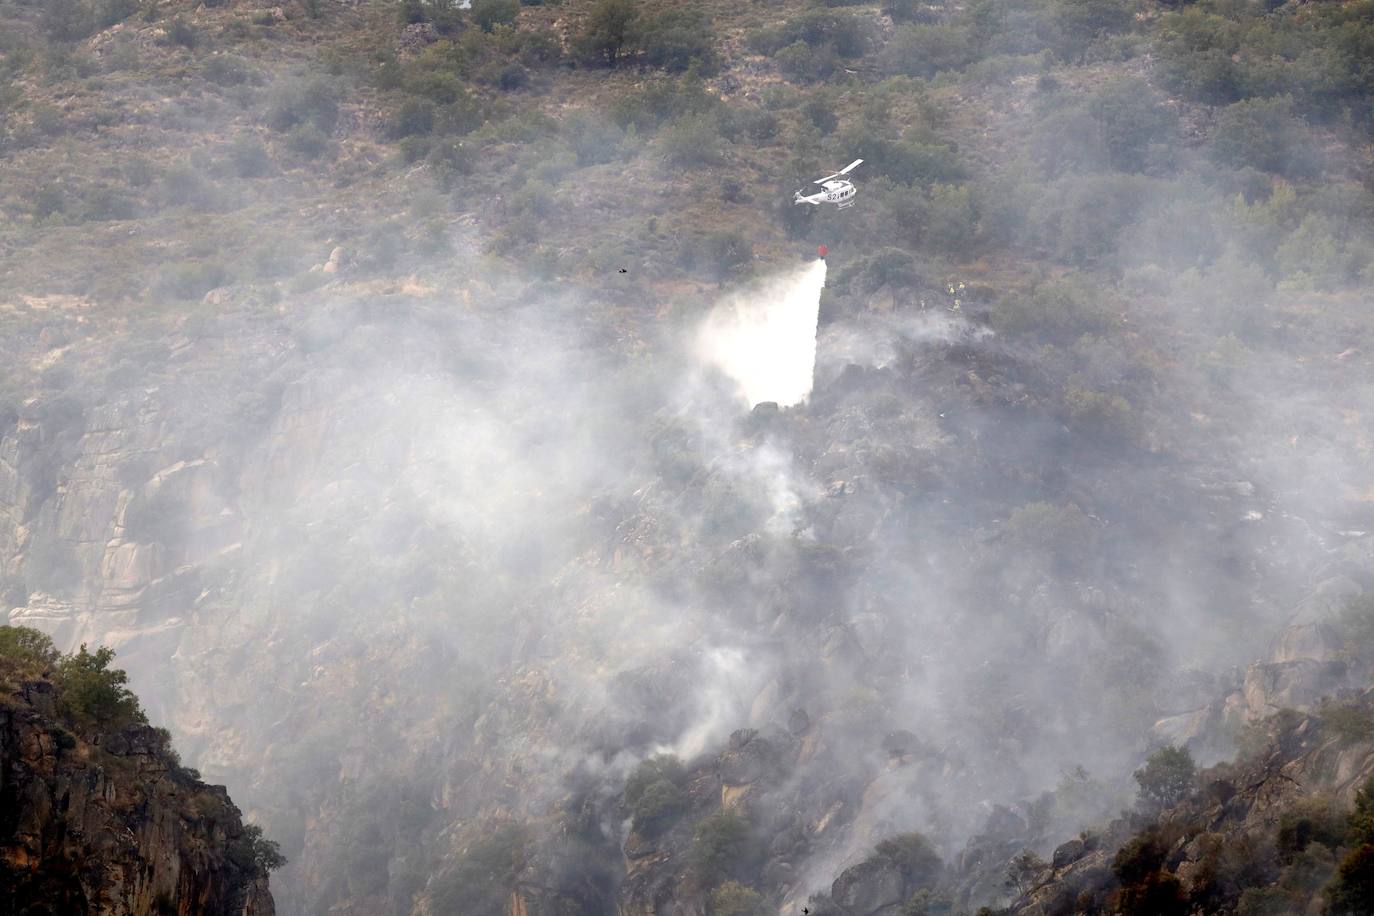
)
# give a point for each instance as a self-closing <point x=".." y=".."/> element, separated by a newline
<point x="868" y="887"/>
<point x="416" y="36"/>
<point x="1068" y="853"/>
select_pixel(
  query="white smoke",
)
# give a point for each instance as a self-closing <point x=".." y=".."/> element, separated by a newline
<point x="764" y="338"/>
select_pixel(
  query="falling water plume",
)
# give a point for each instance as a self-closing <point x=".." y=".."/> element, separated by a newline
<point x="764" y="338"/>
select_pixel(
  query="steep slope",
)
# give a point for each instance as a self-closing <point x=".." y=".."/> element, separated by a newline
<point x="1266" y="833"/>
<point x="105" y="819"/>
<point x="416" y="521"/>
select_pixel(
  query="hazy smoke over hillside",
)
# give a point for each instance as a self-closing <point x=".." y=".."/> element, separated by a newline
<point x="443" y="534"/>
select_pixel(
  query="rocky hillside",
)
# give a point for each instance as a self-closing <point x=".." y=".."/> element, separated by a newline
<point x="352" y="394"/>
<point x="1286" y="828"/>
<point x="99" y="814"/>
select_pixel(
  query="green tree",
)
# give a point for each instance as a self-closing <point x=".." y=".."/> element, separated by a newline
<point x="1362" y="818"/>
<point x="924" y="50"/>
<point x="723" y="848"/>
<point x="675" y="40"/>
<point x="735" y="899"/>
<point x="727" y="253"/>
<point x="488" y="14"/>
<point x="1130" y="118"/>
<point x="256" y="850"/>
<point x="693" y="140"/>
<point x="93" y="694"/>
<point x="654" y="792"/>
<point x="1081" y="22"/>
<point x="1264" y="134"/>
<point x="914" y="855"/>
<point x="606" y="31"/>
<point x="482" y="878"/>
<point x="25" y="653"/>
<point x="66" y="20"/>
<point x="1166" y="778"/>
<point x="1352" y="891"/>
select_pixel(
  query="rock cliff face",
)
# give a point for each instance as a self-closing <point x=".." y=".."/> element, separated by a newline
<point x="115" y="827"/>
<point x="1226" y="839"/>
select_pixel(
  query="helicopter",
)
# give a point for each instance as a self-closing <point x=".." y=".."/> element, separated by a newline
<point x="838" y="191"/>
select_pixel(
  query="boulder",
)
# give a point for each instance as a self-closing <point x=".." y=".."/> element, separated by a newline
<point x="1068" y="853"/>
<point x="869" y="887"/>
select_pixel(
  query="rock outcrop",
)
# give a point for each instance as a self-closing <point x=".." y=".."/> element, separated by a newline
<point x="1226" y="838"/>
<point x="113" y="824"/>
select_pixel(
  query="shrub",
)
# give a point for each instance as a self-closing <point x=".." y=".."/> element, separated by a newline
<point x="654" y="792"/>
<point x="307" y="140"/>
<point x="927" y="902"/>
<point x="802" y="63"/>
<point x="314" y="102"/>
<point x="1265" y="134"/>
<point x="914" y="855"/>
<point x="1105" y="415"/>
<point x="758" y="125"/>
<point x="414" y="118"/>
<point x="924" y="50"/>
<point x="1351" y="723"/>
<point x="1317" y="251"/>
<point x="1309" y="820"/>
<point x="488" y="14"/>
<point x="1362" y="818"/>
<point x="1129" y="119"/>
<point x="1063" y="533"/>
<point x="512" y="76"/>
<point x="726" y="253"/>
<point x="483" y="875"/>
<point x="66" y="20"/>
<point x="951" y="218"/>
<point x="845" y="33"/>
<point x="1080" y="219"/>
<point x="105" y="202"/>
<point x="820" y="111"/>
<point x="47" y="201"/>
<point x="253" y="850"/>
<point x="605" y="33"/>
<point x="675" y="39"/>
<point x="94" y="695"/>
<point x="920" y="159"/>
<point x="1079" y="23"/>
<point x="189" y="279"/>
<point x="723" y="849"/>
<point x="226" y="70"/>
<point x="25" y="653"/>
<point x="1062" y="308"/>
<point x="1167" y="777"/>
<point x="1352" y="891"/>
<point x="693" y="140"/>
<point x="593" y="140"/>
<point x="903" y="10"/>
<point x="735" y="899"/>
<point x="661" y="100"/>
<point x="248" y="157"/>
<point x="181" y="33"/>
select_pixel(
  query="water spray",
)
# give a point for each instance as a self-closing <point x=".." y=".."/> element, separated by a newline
<point x="764" y="338"/>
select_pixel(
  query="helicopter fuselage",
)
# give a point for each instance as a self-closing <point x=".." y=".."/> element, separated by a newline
<point x="841" y="193"/>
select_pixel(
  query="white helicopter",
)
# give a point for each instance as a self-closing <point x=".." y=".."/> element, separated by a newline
<point x="838" y="191"/>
